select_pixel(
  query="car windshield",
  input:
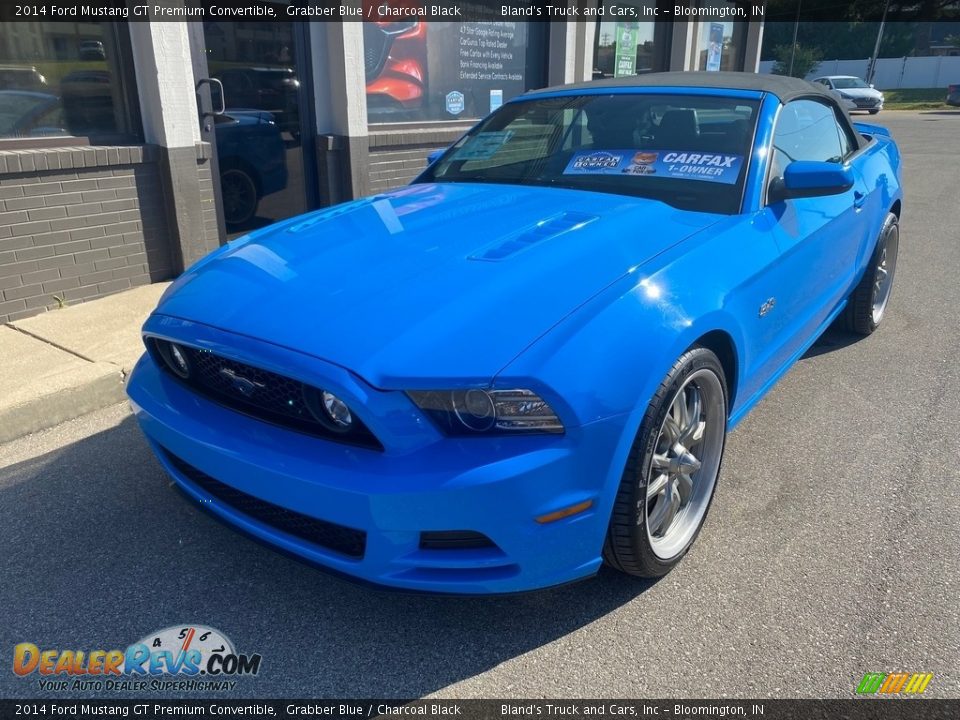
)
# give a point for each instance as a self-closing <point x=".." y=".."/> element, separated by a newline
<point x="689" y="151"/>
<point x="848" y="82"/>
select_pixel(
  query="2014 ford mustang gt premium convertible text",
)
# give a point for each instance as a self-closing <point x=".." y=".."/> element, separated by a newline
<point x="525" y="363"/>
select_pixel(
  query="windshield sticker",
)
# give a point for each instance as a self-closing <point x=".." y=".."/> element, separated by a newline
<point x="483" y="145"/>
<point x="713" y="167"/>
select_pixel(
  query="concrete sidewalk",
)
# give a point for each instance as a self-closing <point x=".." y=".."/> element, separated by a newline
<point x="65" y="363"/>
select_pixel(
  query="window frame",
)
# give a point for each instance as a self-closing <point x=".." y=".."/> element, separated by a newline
<point x="130" y="106"/>
<point x="859" y="143"/>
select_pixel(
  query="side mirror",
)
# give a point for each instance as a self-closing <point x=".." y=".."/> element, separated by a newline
<point x="435" y="155"/>
<point x="811" y="178"/>
<point x="871" y="86"/>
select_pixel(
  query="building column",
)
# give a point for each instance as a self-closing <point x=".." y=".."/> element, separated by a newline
<point x="341" y="110"/>
<point x="751" y="59"/>
<point x="164" y="73"/>
<point x="570" y="47"/>
<point x="683" y="45"/>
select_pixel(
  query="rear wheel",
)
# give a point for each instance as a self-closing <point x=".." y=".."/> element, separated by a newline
<point x="868" y="303"/>
<point x="672" y="470"/>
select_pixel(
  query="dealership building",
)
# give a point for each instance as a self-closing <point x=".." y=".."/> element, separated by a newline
<point x="130" y="149"/>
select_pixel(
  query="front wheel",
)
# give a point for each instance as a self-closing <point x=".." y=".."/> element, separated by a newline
<point x="240" y="196"/>
<point x="874" y="112"/>
<point x="672" y="469"/>
<point x="869" y="300"/>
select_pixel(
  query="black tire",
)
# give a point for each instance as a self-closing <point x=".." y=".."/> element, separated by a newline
<point x="874" y="112"/>
<point x="862" y="317"/>
<point x="240" y="194"/>
<point x="628" y="546"/>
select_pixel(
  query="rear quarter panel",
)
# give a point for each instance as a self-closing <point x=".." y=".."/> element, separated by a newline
<point x="879" y="167"/>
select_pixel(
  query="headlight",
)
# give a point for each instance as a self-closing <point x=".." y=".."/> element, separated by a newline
<point x="175" y="358"/>
<point x="492" y="412"/>
<point x="328" y="409"/>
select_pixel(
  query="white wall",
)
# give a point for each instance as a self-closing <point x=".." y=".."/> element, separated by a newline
<point x="892" y="73"/>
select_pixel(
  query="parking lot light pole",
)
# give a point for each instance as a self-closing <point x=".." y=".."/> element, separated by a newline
<point x="793" y="48"/>
<point x="872" y="68"/>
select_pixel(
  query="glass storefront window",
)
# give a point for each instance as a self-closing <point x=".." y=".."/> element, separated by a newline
<point x="60" y="79"/>
<point x="259" y="137"/>
<point x="623" y="48"/>
<point x="418" y="71"/>
<point x="720" y="44"/>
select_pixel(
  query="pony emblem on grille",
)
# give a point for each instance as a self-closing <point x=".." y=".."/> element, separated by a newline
<point x="244" y="386"/>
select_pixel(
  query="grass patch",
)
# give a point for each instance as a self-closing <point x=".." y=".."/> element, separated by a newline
<point x="915" y="99"/>
<point x="913" y="95"/>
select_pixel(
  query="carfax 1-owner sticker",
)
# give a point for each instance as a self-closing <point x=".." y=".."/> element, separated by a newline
<point x="714" y="167"/>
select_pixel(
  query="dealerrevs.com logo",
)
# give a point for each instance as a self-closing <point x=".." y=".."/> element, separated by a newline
<point x="177" y="658"/>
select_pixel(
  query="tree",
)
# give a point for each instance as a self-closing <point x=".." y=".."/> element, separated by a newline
<point x="805" y="59"/>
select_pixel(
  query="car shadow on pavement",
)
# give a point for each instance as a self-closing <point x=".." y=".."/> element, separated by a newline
<point x="834" y="338"/>
<point x="100" y="550"/>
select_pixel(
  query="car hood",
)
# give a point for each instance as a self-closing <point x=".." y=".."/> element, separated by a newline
<point x="429" y="281"/>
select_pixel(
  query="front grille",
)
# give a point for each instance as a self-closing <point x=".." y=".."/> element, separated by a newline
<point x="376" y="50"/>
<point x="339" y="538"/>
<point x="262" y="394"/>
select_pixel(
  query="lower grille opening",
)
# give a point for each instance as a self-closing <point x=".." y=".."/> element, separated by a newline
<point x="454" y="540"/>
<point x="339" y="538"/>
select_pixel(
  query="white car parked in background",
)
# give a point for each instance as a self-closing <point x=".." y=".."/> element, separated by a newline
<point x="854" y="92"/>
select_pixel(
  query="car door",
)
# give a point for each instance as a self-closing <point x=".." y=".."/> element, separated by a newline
<point x="818" y="238"/>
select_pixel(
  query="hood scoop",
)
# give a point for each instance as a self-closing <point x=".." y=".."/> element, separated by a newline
<point x="329" y="214"/>
<point x="527" y="237"/>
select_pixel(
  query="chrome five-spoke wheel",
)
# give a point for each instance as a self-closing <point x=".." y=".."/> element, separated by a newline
<point x="869" y="300"/>
<point x="684" y="467"/>
<point x="883" y="277"/>
<point x="671" y="471"/>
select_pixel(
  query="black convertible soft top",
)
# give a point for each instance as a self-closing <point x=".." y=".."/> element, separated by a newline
<point x="783" y="87"/>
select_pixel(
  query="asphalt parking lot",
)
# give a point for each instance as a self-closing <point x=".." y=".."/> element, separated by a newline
<point x="832" y="549"/>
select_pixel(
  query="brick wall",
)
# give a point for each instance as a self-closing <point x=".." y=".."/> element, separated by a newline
<point x="390" y="168"/>
<point x="78" y="223"/>
<point x="211" y="226"/>
<point x="397" y="156"/>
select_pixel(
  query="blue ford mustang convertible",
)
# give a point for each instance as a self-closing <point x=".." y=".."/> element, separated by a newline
<point x="525" y="363"/>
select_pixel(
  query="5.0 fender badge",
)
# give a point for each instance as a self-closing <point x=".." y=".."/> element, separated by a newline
<point x="767" y="306"/>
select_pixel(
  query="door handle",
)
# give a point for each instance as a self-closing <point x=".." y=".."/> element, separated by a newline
<point x="223" y="99"/>
<point x="859" y="199"/>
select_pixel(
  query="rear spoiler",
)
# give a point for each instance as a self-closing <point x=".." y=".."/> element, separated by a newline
<point x="868" y="129"/>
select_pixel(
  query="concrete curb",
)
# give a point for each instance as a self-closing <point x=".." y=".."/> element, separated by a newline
<point x="66" y="363"/>
<point x="44" y="411"/>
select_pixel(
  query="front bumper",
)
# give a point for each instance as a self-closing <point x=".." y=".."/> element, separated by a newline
<point x="862" y="103"/>
<point x="496" y="487"/>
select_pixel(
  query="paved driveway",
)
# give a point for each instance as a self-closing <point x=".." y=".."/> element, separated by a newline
<point x="833" y="546"/>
